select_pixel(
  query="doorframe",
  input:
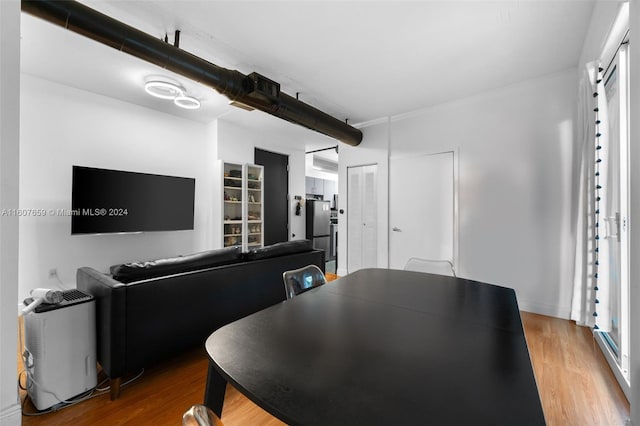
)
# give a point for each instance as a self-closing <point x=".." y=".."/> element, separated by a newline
<point x="456" y="203"/>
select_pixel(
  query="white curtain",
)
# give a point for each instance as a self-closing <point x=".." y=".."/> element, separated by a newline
<point x="590" y="304"/>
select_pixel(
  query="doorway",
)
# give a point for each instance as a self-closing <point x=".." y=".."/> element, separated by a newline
<point x="276" y="195"/>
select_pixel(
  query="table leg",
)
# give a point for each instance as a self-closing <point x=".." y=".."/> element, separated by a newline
<point x="214" y="392"/>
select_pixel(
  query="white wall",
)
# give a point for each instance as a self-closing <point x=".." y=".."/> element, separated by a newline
<point x="296" y="188"/>
<point x="515" y="160"/>
<point x="516" y="156"/>
<point x="237" y="144"/>
<point x="9" y="172"/>
<point x="62" y="126"/>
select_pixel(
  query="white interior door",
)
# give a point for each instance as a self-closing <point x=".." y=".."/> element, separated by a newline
<point x="370" y="216"/>
<point x="354" y="219"/>
<point x="362" y="223"/>
<point x="422" y="209"/>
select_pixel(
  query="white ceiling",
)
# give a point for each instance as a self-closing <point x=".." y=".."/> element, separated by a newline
<point x="361" y="60"/>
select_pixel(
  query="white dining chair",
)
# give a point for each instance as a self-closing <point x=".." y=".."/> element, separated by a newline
<point x="300" y="280"/>
<point x="199" y="415"/>
<point x="440" y="267"/>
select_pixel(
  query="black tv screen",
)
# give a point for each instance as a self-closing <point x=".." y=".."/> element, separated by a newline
<point x="109" y="201"/>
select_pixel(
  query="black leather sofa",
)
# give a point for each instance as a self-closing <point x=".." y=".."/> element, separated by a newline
<point x="151" y="311"/>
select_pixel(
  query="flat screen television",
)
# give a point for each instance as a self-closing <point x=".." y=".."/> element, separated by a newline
<point x="114" y="201"/>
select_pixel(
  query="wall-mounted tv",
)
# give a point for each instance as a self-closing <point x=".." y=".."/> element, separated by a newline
<point x="113" y="201"/>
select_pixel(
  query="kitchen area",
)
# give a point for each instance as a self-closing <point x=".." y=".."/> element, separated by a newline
<point x="321" y="204"/>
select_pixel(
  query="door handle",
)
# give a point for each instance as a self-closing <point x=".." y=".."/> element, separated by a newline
<point x="396" y="229"/>
<point x="612" y="227"/>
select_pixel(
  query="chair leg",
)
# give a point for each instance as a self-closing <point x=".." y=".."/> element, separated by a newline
<point x="115" y="387"/>
<point x="199" y="415"/>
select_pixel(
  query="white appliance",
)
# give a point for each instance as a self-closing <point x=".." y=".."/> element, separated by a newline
<point x="60" y="349"/>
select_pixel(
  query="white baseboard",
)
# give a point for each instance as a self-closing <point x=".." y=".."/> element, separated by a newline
<point x="542" y="309"/>
<point x="11" y="415"/>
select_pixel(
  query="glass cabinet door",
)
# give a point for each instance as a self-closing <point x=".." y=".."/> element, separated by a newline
<point x="255" y="208"/>
<point x="232" y="205"/>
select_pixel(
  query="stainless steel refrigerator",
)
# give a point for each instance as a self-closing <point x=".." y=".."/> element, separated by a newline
<point x="318" y="223"/>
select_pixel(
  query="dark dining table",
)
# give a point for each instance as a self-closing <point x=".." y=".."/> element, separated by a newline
<point x="382" y="346"/>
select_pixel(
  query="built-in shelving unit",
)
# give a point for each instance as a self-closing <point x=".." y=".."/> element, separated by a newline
<point x="243" y="209"/>
<point x="255" y="208"/>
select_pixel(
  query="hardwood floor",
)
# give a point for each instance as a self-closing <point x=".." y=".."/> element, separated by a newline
<point x="574" y="380"/>
<point x="575" y="384"/>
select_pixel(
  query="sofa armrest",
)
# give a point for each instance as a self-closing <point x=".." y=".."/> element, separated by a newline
<point x="110" y="298"/>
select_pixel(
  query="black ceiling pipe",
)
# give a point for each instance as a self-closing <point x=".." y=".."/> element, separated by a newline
<point x="233" y="84"/>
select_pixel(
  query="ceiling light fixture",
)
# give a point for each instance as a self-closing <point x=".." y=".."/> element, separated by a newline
<point x="187" y="102"/>
<point x="164" y="89"/>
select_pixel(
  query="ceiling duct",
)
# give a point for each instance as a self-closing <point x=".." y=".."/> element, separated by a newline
<point x="254" y="90"/>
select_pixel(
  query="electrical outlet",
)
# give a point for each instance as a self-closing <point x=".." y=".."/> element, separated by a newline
<point x="53" y="273"/>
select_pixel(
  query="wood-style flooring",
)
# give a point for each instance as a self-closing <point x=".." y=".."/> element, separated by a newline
<point x="575" y="383"/>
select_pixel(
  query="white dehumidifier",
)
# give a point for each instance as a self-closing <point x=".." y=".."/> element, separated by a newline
<point x="60" y="349"/>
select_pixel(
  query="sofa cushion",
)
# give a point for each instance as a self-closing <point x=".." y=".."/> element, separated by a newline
<point x="279" y="249"/>
<point x="135" y="271"/>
